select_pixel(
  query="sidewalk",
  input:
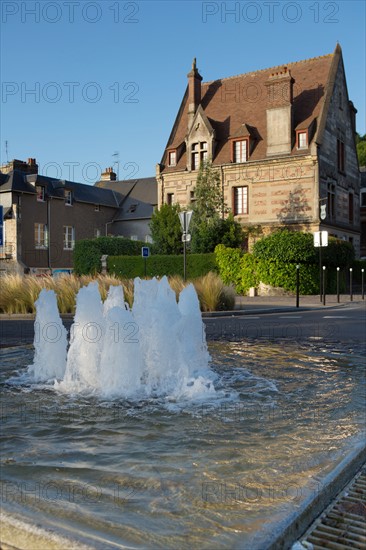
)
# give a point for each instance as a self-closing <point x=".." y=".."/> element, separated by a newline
<point x="243" y="302"/>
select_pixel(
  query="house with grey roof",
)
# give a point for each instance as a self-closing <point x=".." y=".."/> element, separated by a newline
<point x="43" y="216"/>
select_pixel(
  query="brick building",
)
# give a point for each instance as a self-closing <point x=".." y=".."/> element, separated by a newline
<point x="43" y="216"/>
<point x="283" y="141"/>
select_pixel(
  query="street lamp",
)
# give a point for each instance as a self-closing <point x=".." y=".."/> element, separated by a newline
<point x="324" y="268"/>
<point x="338" y="284"/>
<point x="362" y="281"/>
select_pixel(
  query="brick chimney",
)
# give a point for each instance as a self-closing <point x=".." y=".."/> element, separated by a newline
<point x="279" y="112"/>
<point x="108" y="175"/>
<point x="194" y="92"/>
<point x="29" y="167"/>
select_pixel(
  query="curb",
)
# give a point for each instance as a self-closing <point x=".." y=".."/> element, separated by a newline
<point x="336" y="481"/>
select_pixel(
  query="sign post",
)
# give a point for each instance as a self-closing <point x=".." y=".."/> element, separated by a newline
<point x="145" y="253"/>
<point x="1" y="226"/>
<point x="320" y="240"/>
<point x="185" y="220"/>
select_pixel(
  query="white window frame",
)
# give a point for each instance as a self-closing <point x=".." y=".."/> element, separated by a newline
<point x="68" y="197"/>
<point x="240" y="150"/>
<point x="240" y="200"/>
<point x="40" y="190"/>
<point x="68" y="237"/>
<point x="40" y="236"/>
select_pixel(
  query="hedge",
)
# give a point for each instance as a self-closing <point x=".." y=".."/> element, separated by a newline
<point x="248" y="270"/>
<point x="159" y="265"/>
<point x="87" y="252"/>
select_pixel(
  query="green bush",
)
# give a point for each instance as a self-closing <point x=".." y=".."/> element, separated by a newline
<point x="87" y="252"/>
<point x="159" y="265"/>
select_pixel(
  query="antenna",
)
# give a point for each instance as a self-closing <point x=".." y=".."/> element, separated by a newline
<point x="6" y="150"/>
<point x="116" y="163"/>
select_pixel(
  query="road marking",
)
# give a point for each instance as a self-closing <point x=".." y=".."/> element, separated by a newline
<point x="290" y="317"/>
<point x="335" y="317"/>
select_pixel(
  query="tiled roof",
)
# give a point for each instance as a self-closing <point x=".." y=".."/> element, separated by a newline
<point x="230" y="103"/>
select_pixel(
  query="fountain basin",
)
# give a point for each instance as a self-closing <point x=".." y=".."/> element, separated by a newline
<point x="220" y="472"/>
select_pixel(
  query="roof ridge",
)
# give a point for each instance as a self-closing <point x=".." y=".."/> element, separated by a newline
<point x="270" y="68"/>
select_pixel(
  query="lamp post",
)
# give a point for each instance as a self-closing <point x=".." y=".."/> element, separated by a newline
<point x="338" y="284"/>
<point x="185" y="219"/>
<point x="350" y="285"/>
<point x="324" y="268"/>
<point x="297" y="285"/>
<point x="362" y="281"/>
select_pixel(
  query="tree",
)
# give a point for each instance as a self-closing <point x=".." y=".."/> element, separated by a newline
<point x="166" y="231"/>
<point x="209" y="200"/>
<point x="361" y="149"/>
<point x="209" y="228"/>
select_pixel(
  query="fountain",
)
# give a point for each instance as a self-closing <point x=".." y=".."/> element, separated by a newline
<point x="157" y="348"/>
<point x="133" y="436"/>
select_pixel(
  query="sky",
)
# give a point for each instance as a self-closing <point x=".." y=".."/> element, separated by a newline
<point x="92" y="84"/>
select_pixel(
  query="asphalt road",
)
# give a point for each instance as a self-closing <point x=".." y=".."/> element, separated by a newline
<point x="345" y="324"/>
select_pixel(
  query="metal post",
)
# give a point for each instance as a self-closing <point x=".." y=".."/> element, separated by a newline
<point x="324" y="285"/>
<point x="145" y="259"/>
<point x="320" y="267"/>
<point x="338" y="284"/>
<point x="350" y="285"/>
<point x="362" y="281"/>
<point x="297" y="285"/>
<point x="184" y="258"/>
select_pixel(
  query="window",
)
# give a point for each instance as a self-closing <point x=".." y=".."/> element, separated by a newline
<point x="350" y="207"/>
<point x="192" y="196"/>
<point x="68" y="197"/>
<point x="331" y="201"/>
<point x="363" y="199"/>
<point x="40" y="190"/>
<point x="96" y="232"/>
<point x="69" y="237"/>
<point x="240" y="150"/>
<point x="133" y="238"/>
<point x="240" y="200"/>
<point x="172" y="158"/>
<point x="97" y="208"/>
<point x="170" y="198"/>
<point x="340" y="155"/>
<point x="302" y="140"/>
<point x="40" y="235"/>
<point x="199" y="154"/>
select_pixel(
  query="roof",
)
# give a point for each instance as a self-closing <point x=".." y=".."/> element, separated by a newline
<point x="139" y="197"/>
<point x="142" y="189"/>
<point x="18" y="181"/>
<point x="238" y="104"/>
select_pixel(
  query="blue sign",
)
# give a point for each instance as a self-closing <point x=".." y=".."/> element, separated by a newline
<point x="1" y="226"/>
<point x="145" y="251"/>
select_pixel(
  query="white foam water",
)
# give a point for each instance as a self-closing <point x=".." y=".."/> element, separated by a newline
<point x="156" y="349"/>
<point x="50" y="340"/>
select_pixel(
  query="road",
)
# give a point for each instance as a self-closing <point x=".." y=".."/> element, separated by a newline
<point x="344" y="324"/>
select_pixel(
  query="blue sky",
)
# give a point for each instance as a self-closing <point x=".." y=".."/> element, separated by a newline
<point x="108" y="76"/>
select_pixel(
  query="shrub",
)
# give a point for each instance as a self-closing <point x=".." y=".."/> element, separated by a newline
<point x="87" y="252"/>
<point x="158" y="265"/>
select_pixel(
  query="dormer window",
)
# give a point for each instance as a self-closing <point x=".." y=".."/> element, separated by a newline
<point x="40" y="190"/>
<point x="172" y="158"/>
<point x="240" y="150"/>
<point x="302" y="139"/>
<point x="199" y="154"/>
<point x="68" y="197"/>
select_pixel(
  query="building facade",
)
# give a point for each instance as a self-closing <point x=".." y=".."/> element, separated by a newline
<point x="43" y="216"/>
<point x="283" y="141"/>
